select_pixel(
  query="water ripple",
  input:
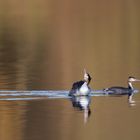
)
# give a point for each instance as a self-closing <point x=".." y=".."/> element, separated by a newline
<point x="39" y="94"/>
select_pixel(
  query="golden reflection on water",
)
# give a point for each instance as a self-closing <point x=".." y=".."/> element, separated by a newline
<point x="46" y="45"/>
<point x="12" y="121"/>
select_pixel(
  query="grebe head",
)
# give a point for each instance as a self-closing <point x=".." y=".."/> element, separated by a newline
<point x="132" y="79"/>
<point x="87" y="77"/>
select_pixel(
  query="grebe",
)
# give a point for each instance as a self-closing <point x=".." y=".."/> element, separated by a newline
<point x="81" y="88"/>
<point x="122" y="90"/>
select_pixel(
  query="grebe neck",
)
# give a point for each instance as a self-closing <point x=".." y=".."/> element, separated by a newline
<point x="130" y="85"/>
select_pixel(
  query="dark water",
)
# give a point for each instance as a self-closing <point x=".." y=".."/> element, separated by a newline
<point x="45" y="45"/>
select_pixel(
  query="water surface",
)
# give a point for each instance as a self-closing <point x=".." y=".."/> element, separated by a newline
<point x="43" y="118"/>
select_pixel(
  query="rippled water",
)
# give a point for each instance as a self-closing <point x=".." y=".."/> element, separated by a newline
<point x="42" y="118"/>
<point x="44" y="47"/>
<point x="41" y="114"/>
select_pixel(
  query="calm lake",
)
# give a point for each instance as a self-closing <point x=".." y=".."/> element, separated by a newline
<point x="45" y="45"/>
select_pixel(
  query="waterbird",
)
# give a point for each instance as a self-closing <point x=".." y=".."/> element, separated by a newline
<point x="122" y="90"/>
<point x="116" y="90"/>
<point x="81" y="88"/>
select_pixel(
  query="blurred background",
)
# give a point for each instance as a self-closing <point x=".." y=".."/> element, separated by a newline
<point x="46" y="44"/>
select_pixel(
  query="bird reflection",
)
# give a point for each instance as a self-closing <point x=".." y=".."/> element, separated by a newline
<point x="82" y="103"/>
<point x="130" y="99"/>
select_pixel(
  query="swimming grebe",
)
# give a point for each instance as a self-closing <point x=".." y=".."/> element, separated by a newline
<point x="81" y="88"/>
<point x="122" y="90"/>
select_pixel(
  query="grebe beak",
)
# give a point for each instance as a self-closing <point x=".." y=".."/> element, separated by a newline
<point x="137" y="80"/>
<point x="132" y="79"/>
<point x="85" y="71"/>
